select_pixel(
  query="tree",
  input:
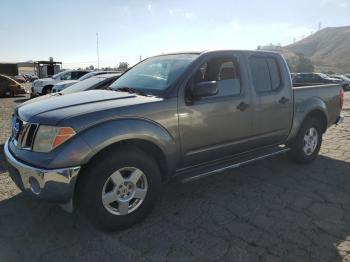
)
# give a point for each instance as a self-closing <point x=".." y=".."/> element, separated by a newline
<point x="300" y="64"/>
<point x="123" y="66"/>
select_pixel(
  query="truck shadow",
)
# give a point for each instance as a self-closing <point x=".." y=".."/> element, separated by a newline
<point x="272" y="210"/>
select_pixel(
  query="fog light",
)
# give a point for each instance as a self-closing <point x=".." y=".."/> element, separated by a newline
<point x="34" y="185"/>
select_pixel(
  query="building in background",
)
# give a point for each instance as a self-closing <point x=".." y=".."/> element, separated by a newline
<point x="9" y="69"/>
<point x="47" y="68"/>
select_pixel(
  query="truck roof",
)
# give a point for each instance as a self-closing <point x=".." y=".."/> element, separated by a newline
<point x="217" y="51"/>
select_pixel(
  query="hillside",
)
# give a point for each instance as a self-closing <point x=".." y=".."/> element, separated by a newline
<point x="328" y="49"/>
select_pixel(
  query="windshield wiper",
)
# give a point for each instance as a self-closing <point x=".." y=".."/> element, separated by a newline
<point x="130" y="90"/>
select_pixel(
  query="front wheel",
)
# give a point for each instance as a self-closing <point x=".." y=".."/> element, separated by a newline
<point x="306" y="146"/>
<point x="119" y="190"/>
<point x="46" y="90"/>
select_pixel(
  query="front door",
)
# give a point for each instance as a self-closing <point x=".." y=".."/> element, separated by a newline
<point x="215" y="126"/>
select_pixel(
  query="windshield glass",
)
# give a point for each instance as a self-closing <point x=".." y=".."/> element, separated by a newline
<point x="83" y="85"/>
<point x="88" y="75"/>
<point x="58" y="74"/>
<point x="155" y="74"/>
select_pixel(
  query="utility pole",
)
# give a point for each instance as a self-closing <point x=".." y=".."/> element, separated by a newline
<point x="140" y="58"/>
<point x="98" y="52"/>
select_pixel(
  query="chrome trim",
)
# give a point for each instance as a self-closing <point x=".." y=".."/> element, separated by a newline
<point x="20" y="136"/>
<point x="55" y="184"/>
<point x="220" y="170"/>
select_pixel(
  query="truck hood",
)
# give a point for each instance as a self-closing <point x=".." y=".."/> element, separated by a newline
<point x="51" y="111"/>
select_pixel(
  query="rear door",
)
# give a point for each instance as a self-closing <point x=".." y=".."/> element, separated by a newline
<point x="273" y="104"/>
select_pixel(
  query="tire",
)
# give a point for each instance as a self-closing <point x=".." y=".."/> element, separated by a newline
<point x="302" y="152"/>
<point x="46" y="90"/>
<point x="97" y="182"/>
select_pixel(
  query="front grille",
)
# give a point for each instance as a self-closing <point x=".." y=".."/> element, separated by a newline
<point x="23" y="133"/>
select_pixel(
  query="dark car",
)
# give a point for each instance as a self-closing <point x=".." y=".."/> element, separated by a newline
<point x="310" y="79"/>
<point x="95" y="82"/>
<point x="10" y="87"/>
<point x="30" y="77"/>
<point x="20" y="79"/>
<point x="344" y="81"/>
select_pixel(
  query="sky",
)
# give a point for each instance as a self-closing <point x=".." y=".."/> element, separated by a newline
<point x="66" y="29"/>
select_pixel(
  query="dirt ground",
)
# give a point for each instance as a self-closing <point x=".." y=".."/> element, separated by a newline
<point x="272" y="210"/>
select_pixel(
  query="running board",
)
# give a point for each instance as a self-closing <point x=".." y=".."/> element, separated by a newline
<point x="198" y="172"/>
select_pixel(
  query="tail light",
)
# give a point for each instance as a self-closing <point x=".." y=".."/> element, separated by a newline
<point x="341" y="98"/>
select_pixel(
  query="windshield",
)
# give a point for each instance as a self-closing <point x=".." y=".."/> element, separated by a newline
<point x="155" y="74"/>
<point x="83" y="85"/>
<point x="58" y="74"/>
<point x="88" y="75"/>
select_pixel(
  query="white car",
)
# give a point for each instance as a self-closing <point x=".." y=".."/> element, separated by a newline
<point x="64" y="84"/>
<point x="44" y="86"/>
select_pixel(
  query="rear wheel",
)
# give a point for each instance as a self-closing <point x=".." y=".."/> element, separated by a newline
<point x="119" y="190"/>
<point x="306" y="146"/>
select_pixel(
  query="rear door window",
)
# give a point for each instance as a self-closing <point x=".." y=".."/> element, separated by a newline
<point x="260" y="74"/>
<point x="275" y="74"/>
<point x="265" y="73"/>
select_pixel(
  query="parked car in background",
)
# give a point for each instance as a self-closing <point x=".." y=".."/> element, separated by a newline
<point x="96" y="73"/>
<point x="345" y="81"/>
<point x="185" y="116"/>
<point x="102" y="81"/>
<point x="309" y="79"/>
<point x="20" y="79"/>
<point x="64" y="84"/>
<point x="10" y="87"/>
<point x="30" y="77"/>
<point x="44" y="86"/>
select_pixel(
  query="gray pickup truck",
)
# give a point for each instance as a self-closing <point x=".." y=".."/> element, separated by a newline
<point x="106" y="153"/>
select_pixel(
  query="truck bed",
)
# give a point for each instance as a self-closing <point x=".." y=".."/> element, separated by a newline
<point x="325" y="96"/>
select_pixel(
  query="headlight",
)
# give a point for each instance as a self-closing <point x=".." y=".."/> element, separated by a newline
<point x="49" y="137"/>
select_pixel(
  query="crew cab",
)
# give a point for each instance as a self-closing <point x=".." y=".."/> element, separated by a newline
<point x="107" y="153"/>
<point x="44" y="86"/>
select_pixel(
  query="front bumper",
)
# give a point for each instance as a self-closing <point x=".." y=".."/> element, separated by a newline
<point x="56" y="185"/>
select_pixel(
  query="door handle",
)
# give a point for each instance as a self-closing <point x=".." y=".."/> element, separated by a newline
<point x="283" y="100"/>
<point x="242" y="106"/>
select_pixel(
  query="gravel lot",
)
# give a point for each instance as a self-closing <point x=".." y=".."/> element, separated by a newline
<point x="272" y="210"/>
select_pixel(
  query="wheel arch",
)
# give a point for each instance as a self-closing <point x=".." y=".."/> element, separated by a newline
<point x="144" y="145"/>
<point x="313" y="107"/>
<point x="141" y="133"/>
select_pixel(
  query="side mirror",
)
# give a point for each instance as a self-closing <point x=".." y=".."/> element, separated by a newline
<point x="204" y="89"/>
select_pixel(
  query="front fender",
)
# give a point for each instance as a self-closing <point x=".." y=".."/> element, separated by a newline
<point x="302" y="109"/>
<point x="105" y="134"/>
